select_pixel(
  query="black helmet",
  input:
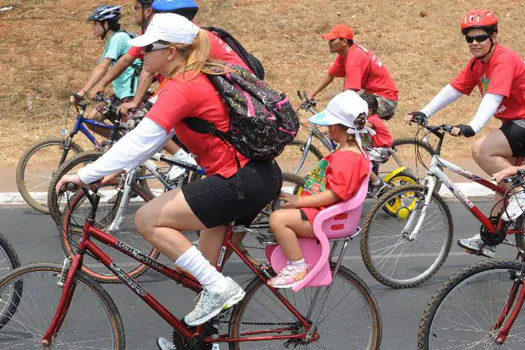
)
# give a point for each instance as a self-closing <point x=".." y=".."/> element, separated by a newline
<point x="106" y="13"/>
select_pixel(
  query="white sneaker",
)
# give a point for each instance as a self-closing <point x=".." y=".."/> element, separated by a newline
<point x="476" y="244"/>
<point x="213" y="301"/>
<point x="515" y="207"/>
<point x="165" y="344"/>
<point x="177" y="171"/>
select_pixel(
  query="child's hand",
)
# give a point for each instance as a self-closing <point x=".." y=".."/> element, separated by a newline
<point x="290" y="201"/>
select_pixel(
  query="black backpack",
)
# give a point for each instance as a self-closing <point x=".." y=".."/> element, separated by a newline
<point x="250" y="60"/>
<point x="262" y="121"/>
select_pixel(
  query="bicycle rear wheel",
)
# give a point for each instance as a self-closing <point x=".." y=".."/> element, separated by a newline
<point x="36" y="167"/>
<point x="393" y="257"/>
<point x="73" y="224"/>
<point x="92" y="320"/>
<point x="290" y="158"/>
<point x="405" y="153"/>
<point x="463" y="312"/>
<point x="349" y="319"/>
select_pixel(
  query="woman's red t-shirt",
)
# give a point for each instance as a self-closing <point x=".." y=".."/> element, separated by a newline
<point x="503" y="74"/>
<point x="197" y="97"/>
<point x="342" y="172"/>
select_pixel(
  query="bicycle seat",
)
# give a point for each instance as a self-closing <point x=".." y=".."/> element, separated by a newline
<point x="338" y="221"/>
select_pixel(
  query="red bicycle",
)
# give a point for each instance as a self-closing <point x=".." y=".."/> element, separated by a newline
<point x="62" y="307"/>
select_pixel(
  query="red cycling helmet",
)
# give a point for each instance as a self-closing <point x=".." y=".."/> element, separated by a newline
<point x="480" y="19"/>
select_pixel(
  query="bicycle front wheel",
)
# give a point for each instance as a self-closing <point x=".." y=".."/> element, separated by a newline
<point x="36" y="168"/>
<point x="395" y="251"/>
<point x="58" y="202"/>
<point x="75" y="217"/>
<point x="347" y="315"/>
<point x="92" y="320"/>
<point x="8" y="262"/>
<point x="464" y="312"/>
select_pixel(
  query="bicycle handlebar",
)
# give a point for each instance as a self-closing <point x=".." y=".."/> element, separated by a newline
<point x="515" y="178"/>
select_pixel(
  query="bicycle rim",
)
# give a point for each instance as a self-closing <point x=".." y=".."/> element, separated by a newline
<point x="349" y="316"/>
<point x="36" y="168"/>
<point x="393" y="257"/>
<point x="290" y="159"/>
<point x="75" y="217"/>
<point x="92" y="320"/>
<point x="464" y="312"/>
<point x="405" y="154"/>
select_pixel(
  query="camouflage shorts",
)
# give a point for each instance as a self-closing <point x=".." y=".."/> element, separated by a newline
<point x="386" y="108"/>
<point x="378" y="155"/>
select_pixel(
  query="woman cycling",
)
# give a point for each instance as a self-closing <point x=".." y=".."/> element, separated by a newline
<point x="499" y="74"/>
<point x="179" y="50"/>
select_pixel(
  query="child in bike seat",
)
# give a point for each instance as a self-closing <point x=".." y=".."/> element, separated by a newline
<point x="381" y="143"/>
<point x="336" y="178"/>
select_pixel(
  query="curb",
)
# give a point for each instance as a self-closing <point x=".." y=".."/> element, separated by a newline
<point x="469" y="188"/>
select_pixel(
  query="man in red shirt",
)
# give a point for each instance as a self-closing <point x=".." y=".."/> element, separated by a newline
<point x="499" y="74"/>
<point x="362" y="70"/>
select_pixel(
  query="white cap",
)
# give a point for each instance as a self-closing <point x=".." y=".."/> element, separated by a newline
<point x="342" y="109"/>
<point x="168" y="27"/>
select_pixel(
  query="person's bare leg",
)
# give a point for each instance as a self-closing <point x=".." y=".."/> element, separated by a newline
<point x="492" y="153"/>
<point x="161" y="221"/>
<point x="287" y="225"/>
<point x="171" y="147"/>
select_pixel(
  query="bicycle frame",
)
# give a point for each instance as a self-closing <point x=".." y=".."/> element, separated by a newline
<point x="314" y="132"/>
<point x="86" y="245"/>
<point x="436" y="172"/>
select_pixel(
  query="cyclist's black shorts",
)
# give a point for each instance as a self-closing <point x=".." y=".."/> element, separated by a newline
<point x="215" y="200"/>
<point x="515" y="133"/>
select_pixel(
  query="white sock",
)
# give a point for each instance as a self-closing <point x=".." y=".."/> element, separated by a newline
<point x="195" y="263"/>
<point x="298" y="263"/>
<point x="376" y="182"/>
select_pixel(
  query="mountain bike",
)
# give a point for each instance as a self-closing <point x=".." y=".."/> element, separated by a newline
<point x="63" y="306"/>
<point x="480" y="307"/>
<point x="408" y="248"/>
<point x="39" y="162"/>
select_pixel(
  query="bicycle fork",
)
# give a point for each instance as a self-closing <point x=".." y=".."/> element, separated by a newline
<point x="68" y="289"/>
<point x="509" y="311"/>
<point x="430" y="183"/>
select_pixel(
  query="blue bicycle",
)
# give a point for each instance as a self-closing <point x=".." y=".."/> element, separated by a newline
<point x="38" y="164"/>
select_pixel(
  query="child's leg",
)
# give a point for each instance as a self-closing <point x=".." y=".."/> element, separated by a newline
<point x="373" y="177"/>
<point x="287" y="225"/>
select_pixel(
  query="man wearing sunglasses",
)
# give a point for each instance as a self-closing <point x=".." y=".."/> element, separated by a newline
<point x="499" y="74"/>
<point x="362" y="70"/>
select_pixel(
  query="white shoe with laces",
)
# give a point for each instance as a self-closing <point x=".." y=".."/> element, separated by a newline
<point x="213" y="300"/>
<point x="515" y="207"/>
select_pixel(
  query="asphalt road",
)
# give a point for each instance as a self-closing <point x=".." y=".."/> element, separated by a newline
<point x="35" y="239"/>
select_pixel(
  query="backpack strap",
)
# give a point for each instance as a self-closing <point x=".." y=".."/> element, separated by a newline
<point x="202" y="126"/>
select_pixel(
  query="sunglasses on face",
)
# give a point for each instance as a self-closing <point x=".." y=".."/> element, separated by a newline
<point x="479" y="38"/>
<point x="155" y="47"/>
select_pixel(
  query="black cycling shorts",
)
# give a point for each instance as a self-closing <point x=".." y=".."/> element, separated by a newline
<point x="215" y="200"/>
<point x="515" y="133"/>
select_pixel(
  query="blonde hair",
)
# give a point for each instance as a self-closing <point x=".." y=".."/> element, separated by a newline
<point x="195" y="58"/>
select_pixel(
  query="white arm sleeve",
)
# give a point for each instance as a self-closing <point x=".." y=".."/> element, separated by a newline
<point x="129" y="152"/>
<point x="487" y="108"/>
<point x="446" y="96"/>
